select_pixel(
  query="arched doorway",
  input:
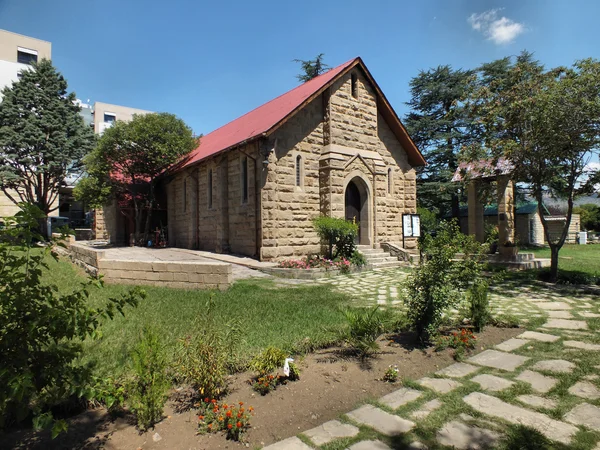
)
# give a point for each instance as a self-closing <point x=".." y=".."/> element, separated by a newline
<point x="356" y="201"/>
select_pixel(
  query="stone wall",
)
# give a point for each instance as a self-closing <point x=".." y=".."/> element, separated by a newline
<point x="173" y="274"/>
<point x="338" y="137"/>
<point x="228" y="223"/>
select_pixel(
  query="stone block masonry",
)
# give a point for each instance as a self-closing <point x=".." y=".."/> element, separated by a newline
<point x="190" y="274"/>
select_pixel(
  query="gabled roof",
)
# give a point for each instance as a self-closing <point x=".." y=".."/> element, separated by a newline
<point x="265" y="119"/>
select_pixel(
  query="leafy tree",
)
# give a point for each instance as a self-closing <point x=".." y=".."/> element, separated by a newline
<point x="547" y="123"/>
<point x="42" y="328"/>
<point x="439" y="126"/>
<point x="129" y="158"/>
<point x="311" y="68"/>
<point x="590" y="216"/>
<point x="42" y="137"/>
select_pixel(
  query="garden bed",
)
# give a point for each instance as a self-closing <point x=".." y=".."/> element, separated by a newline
<point x="330" y="384"/>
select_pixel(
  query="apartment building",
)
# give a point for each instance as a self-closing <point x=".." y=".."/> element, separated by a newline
<point x="17" y="52"/>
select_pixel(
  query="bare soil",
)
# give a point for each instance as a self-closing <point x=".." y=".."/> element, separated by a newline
<point x="330" y="384"/>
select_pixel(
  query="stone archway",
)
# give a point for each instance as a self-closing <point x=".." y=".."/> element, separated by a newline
<point x="356" y="204"/>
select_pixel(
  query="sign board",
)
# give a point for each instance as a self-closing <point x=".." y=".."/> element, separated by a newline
<point x="411" y="225"/>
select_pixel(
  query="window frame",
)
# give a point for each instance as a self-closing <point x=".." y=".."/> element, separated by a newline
<point x="109" y="114"/>
<point x="31" y="55"/>
<point x="299" y="170"/>
<point x="244" y="179"/>
<point x="209" y="188"/>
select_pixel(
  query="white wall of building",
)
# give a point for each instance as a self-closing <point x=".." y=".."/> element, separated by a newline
<point x="8" y="73"/>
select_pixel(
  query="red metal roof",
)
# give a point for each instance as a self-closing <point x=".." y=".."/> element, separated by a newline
<point x="261" y="119"/>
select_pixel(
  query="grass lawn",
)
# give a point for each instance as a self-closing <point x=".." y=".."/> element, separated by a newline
<point x="583" y="258"/>
<point x="271" y="315"/>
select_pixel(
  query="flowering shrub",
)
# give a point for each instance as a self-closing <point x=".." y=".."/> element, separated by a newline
<point x="463" y="339"/>
<point x="315" y="261"/>
<point x="391" y="374"/>
<point x="265" y="384"/>
<point x="233" y="419"/>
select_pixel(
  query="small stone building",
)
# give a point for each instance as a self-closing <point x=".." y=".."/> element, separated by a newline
<point x="332" y="146"/>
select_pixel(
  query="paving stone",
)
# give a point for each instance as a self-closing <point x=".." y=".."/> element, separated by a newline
<point x="369" y="445"/>
<point x="553" y="306"/>
<point x="585" y="389"/>
<point x="439" y="385"/>
<point x="586" y="415"/>
<point x="588" y="314"/>
<point x="566" y="324"/>
<point x="539" y="383"/>
<point x="492" y="383"/>
<point x="381" y="421"/>
<point x="559" y="314"/>
<point x="292" y="443"/>
<point x="511" y="344"/>
<point x="555" y="366"/>
<point x="537" y="402"/>
<point x="330" y="431"/>
<point x="492" y="406"/>
<point x="498" y="360"/>
<point x="458" y="370"/>
<point x="582" y="345"/>
<point x="543" y="337"/>
<point x="461" y="436"/>
<point x="426" y="409"/>
<point x="400" y="397"/>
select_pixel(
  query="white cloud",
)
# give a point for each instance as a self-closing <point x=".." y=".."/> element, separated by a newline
<point x="499" y="30"/>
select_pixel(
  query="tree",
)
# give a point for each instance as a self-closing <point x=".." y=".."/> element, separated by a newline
<point x="590" y="216"/>
<point x="42" y="137"/>
<point x="129" y="158"/>
<point x="438" y="125"/>
<point x="311" y="68"/>
<point x="547" y="123"/>
<point x="42" y="328"/>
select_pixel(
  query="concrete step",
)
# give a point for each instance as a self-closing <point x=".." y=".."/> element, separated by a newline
<point x="386" y="265"/>
<point x="388" y="258"/>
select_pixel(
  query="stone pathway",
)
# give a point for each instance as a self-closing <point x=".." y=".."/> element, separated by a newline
<point x="383" y="287"/>
<point x="545" y="379"/>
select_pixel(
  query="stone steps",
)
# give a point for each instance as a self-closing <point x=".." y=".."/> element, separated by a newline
<point x="378" y="258"/>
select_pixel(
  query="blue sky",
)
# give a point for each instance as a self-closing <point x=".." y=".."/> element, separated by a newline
<point x="210" y="62"/>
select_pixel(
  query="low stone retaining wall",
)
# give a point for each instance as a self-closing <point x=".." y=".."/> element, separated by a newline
<point x="305" y="274"/>
<point x="173" y="274"/>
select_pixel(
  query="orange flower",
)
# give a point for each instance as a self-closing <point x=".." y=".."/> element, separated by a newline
<point x="225" y="405"/>
<point x="216" y="410"/>
<point x="228" y="414"/>
<point x="206" y="400"/>
<point x="213" y="401"/>
<point x="209" y="426"/>
<point x="221" y="419"/>
<point x="201" y="417"/>
<point x="239" y="416"/>
<point x="229" y="426"/>
<point x="241" y="403"/>
<point x="251" y="409"/>
<point x="239" y="424"/>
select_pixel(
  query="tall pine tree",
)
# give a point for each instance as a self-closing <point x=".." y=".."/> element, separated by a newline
<point x="42" y="137"/>
<point x="311" y="68"/>
<point x="439" y="126"/>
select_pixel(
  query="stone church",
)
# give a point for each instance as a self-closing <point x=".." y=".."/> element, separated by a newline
<point x="332" y="146"/>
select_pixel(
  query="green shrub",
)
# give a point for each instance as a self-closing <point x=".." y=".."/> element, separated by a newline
<point x="358" y="259"/>
<point x="41" y="328"/>
<point x="569" y="277"/>
<point x="268" y="361"/>
<point x="363" y="328"/>
<point x="147" y="391"/>
<point x="338" y="236"/>
<point x="429" y="221"/>
<point x="204" y="360"/>
<point x="440" y="280"/>
<point x="480" y="304"/>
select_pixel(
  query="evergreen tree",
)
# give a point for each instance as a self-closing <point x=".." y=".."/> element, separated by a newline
<point x="311" y="68"/>
<point x="42" y="137"/>
<point x="439" y="127"/>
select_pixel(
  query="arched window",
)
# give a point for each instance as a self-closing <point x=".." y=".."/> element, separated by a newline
<point x="390" y="180"/>
<point x="299" y="171"/>
<point x="354" y="81"/>
<point x="209" y="182"/>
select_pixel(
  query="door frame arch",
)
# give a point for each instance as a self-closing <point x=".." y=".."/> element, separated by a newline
<point x="366" y="211"/>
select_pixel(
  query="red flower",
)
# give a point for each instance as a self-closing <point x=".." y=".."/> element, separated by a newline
<point x="229" y="426"/>
<point x="228" y="414"/>
<point x="239" y="424"/>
